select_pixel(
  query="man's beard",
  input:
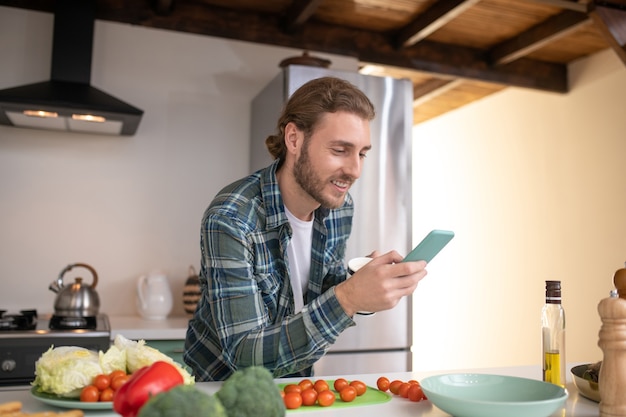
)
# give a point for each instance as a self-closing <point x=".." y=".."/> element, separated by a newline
<point x="312" y="184"/>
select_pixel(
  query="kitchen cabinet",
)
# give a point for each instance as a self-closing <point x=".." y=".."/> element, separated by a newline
<point x="137" y="328"/>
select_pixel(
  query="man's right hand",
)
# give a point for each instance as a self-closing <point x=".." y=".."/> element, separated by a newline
<point x="380" y="284"/>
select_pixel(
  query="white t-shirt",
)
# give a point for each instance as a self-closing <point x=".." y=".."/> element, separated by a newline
<point x="299" y="253"/>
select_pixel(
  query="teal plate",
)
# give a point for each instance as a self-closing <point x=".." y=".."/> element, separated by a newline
<point x="63" y="402"/>
<point x="483" y="395"/>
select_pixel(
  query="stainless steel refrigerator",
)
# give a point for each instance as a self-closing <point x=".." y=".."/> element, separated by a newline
<point x="382" y="220"/>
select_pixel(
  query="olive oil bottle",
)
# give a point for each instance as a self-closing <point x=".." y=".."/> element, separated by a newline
<point x="553" y="335"/>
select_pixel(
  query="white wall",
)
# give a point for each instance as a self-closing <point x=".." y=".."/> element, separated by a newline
<point x="124" y="205"/>
<point x="534" y="186"/>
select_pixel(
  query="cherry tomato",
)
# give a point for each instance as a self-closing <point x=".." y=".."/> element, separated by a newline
<point x="394" y="385"/>
<point x="309" y="396"/>
<point x="359" y="386"/>
<point x="118" y="381"/>
<point x="347" y="394"/>
<point x="416" y="393"/>
<point x="89" y="394"/>
<point x="413" y="382"/>
<point x="106" y="395"/>
<point x="326" y="398"/>
<point x="340" y="384"/>
<point x="116" y="373"/>
<point x="403" y="390"/>
<point x="305" y="383"/>
<point x="292" y="388"/>
<point x="321" y="385"/>
<point x="102" y="382"/>
<point x="383" y="383"/>
<point x="292" y="400"/>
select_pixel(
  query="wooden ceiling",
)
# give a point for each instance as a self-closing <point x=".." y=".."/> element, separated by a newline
<point x="454" y="51"/>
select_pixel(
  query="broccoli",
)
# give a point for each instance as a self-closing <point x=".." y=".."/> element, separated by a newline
<point x="182" y="401"/>
<point x="251" y="392"/>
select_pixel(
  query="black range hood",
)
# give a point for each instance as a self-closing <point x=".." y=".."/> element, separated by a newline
<point x="68" y="101"/>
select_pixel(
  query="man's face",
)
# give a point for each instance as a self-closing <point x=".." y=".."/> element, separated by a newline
<point x="332" y="158"/>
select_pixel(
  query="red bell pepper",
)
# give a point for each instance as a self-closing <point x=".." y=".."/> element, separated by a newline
<point x="144" y="383"/>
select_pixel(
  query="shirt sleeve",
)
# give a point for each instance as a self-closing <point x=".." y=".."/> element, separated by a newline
<point x="250" y="302"/>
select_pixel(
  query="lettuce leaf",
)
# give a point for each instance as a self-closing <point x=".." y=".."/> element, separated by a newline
<point x="138" y="355"/>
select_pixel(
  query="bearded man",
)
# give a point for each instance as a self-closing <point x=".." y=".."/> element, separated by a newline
<point x="272" y="273"/>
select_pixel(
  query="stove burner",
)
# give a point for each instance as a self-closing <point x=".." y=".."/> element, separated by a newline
<point x="20" y="349"/>
<point x="26" y="320"/>
<point x="64" y="323"/>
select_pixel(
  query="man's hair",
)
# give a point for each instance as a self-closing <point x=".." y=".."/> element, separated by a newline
<point x="310" y="102"/>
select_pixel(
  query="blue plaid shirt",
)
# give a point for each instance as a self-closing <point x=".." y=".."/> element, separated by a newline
<point x="246" y="313"/>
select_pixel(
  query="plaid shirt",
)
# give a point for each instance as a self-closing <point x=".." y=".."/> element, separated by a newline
<point x="246" y="313"/>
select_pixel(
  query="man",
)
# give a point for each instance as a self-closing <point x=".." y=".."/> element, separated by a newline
<point x="273" y="275"/>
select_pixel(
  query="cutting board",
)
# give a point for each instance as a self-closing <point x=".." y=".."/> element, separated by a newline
<point x="372" y="396"/>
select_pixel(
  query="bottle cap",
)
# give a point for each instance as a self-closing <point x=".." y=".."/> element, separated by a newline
<point x="553" y="292"/>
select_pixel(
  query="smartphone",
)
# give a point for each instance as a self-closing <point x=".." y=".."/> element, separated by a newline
<point x="430" y="246"/>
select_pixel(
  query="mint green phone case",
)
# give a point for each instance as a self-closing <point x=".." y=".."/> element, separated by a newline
<point x="430" y="246"/>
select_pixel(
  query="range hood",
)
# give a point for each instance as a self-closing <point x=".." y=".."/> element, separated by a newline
<point x="68" y="102"/>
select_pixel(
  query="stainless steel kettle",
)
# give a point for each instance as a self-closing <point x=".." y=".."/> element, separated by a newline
<point x="77" y="299"/>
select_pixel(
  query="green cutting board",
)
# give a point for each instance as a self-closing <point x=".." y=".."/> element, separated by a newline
<point x="371" y="396"/>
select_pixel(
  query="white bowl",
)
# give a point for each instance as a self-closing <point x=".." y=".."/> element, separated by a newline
<point x="483" y="395"/>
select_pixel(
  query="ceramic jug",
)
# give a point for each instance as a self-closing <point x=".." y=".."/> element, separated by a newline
<point x="154" y="296"/>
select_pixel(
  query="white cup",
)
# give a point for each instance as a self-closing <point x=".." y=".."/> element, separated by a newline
<point x="354" y="265"/>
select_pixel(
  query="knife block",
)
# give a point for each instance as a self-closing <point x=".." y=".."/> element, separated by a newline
<point x="612" y="341"/>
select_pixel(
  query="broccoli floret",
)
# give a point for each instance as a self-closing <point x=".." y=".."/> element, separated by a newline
<point x="251" y="392"/>
<point x="183" y="401"/>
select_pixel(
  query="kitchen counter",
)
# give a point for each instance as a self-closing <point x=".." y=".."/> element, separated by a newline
<point x="576" y="406"/>
<point x="136" y="328"/>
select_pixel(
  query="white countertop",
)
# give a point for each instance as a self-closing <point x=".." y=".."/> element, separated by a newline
<point x="576" y="406"/>
<point x="136" y="328"/>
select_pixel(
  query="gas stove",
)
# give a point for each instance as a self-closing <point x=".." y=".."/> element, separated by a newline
<point x="25" y="336"/>
<point x="25" y="320"/>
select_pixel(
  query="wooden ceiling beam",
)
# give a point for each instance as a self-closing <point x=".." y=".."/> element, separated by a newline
<point x="582" y="6"/>
<point x="538" y="36"/>
<point x="367" y="46"/>
<point x="612" y="24"/>
<point x="616" y="4"/>
<point x="298" y="13"/>
<point x="163" y="7"/>
<point x="435" y="87"/>
<point x="435" y="17"/>
<point x="39" y="5"/>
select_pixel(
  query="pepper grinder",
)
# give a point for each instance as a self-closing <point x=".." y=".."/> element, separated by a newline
<point x="612" y="341"/>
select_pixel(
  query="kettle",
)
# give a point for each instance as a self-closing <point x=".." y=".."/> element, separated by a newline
<point x="154" y="296"/>
<point x="77" y="299"/>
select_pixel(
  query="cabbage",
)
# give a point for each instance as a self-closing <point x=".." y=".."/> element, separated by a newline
<point x="112" y="360"/>
<point x="65" y="370"/>
<point x="139" y="355"/>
